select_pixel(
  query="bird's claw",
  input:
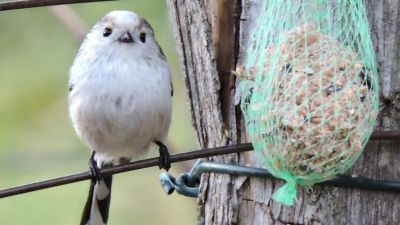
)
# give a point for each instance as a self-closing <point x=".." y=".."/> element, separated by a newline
<point x="164" y="161"/>
<point x="94" y="171"/>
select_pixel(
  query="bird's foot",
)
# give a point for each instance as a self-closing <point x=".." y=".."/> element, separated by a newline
<point x="94" y="170"/>
<point x="164" y="161"/>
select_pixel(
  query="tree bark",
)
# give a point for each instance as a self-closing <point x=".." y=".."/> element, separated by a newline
<point x="211" y="38"/>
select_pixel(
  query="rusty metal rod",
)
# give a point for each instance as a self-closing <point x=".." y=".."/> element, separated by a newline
<point x="385" y="135"/>
<point x="124" y="168"/>
<point x="379" y="135"/>
<point x="21" y="4"/>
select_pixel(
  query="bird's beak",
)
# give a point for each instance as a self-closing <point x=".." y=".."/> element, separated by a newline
<point x="126" y="38"/>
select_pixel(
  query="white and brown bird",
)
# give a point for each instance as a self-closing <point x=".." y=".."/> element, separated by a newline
<point x="119" y="100"/>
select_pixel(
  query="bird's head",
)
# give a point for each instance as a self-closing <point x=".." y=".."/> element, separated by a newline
<point x="122" y="32"/>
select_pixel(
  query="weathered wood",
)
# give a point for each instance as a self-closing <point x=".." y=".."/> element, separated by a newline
<point x="384" y="18"/>
<point x="192" y="34"/>
<point x="211" y="37"/>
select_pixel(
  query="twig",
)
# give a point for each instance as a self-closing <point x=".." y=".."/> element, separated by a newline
<point x="21" y="4"/>
<point x="70" y="21"/>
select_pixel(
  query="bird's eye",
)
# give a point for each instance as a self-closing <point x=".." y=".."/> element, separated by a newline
<point x="107" y="31"/>
<point x="142" y="37"/>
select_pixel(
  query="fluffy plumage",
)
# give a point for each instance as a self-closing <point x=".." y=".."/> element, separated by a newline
<point x="120" y="95"/>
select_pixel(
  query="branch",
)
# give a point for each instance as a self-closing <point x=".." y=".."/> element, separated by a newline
<point x="70" y="21"/>
<point x="38" y="3"/>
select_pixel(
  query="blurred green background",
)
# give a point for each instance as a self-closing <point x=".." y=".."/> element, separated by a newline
<point x="37" y="141"/>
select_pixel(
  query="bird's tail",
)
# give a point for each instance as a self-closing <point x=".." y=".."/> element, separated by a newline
<point x="98" y="203"/>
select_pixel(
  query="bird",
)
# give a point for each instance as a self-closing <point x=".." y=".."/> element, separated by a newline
<point x="119" y="101"/>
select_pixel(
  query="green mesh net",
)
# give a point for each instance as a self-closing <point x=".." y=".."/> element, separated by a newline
<point x="310" y="90"/>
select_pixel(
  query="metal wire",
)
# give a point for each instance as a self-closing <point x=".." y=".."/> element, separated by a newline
<point x="187" y="184"/>
<point x="124" y="168"/>
<point x="381" y="135"/>
<point x="21" y="4"/>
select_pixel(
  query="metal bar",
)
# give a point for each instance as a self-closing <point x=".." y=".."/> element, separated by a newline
<point x="211" y="167"/>
<point x="184" y="184"/>
<point x="39" y="3"/>
<point x="385" y="135"/>
<point x="347" y="181"/>
<point x="341" y="180"/>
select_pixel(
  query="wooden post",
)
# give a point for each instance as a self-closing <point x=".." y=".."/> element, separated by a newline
<point x="211" y="38"/>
